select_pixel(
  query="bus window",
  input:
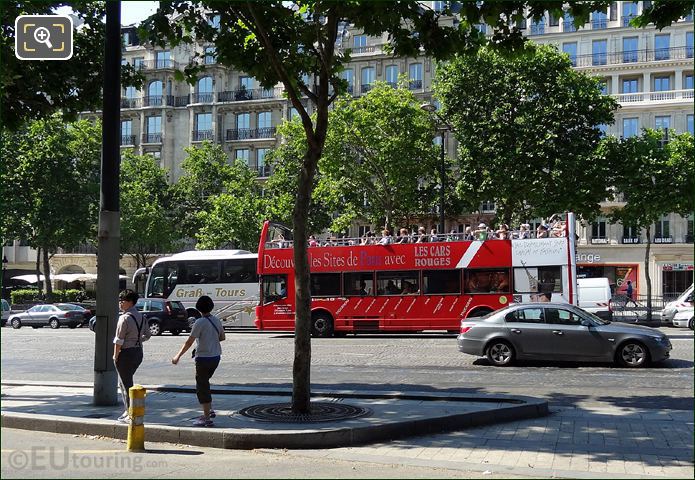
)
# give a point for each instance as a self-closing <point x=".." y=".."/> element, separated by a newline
<point x="357" y="283"/>
<point x="162" y="280"/>
<point x="239" y="271"/>
<point x="397" y="283"/>
<point x="441" y="281"/>
<point x="538" y="280"/>
<point x="274" y="288"/>
<point x="487" y="280"/>
<point x="325" y="284"/>
<point x="202" y="271"/>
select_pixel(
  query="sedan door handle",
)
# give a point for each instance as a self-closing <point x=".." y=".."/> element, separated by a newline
<point x="515" y="330"/>
<point x="558" y="332"/>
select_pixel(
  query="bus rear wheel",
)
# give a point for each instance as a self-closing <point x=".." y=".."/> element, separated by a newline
<point x="321" y="325"/>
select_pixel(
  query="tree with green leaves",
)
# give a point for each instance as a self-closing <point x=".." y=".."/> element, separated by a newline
<point x="654" y="180"/>
<point x="380" y="147"/>
<point x="526" y="140"/>
<point x="146" y="223"/>
<point x="50" y="184"/>
<point x="206" y="170"/>
<point x="281" y="42"/>
<point x="36" y="89"/>
<point x="235" y="216"/>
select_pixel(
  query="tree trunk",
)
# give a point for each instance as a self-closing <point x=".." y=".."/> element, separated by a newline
<point x="47" y="274"/>
<point x="646" y="274"/>
<point x="301" y="371"/>
<point x="38" y="270"/>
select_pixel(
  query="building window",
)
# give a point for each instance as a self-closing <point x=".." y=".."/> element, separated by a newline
<point x="392" y="75"/>
<point x="349" y="76"/>
<point x="415" y="76"/>
<point x="631" y="234"/>
<point x="164" y="59"/>
<point x="139" y="63"/>
<point x="662" y="228"/>
<point x="242" y="154"/>
<point x="127" y="137"/>
<point x="538" y="26"/>
<point x="630" y="127"/>
<point x="263" y="170"/>
<point x="154" y="129"/>
<point x="359" y="41"/>
<point x="154" y="94"/>
<point x="263" y="120"/>
<point x="293" y="113"/>
<point x="689" y="49"/>
<point x="688" y="81"/>
<point x="130" y="92"/>
<point x="599" y="52"/>
<point x="689" y="232"/>
<point x="367" y="78"/>
<point x="662" y="122"/>
<point x="661" y="46"/>
<point x="210" y="56"/>
<point x="571" y="50"/>
<point x="603" y="129"/>
<point x="629" y="12"/>
<point x="203" y="125"/>
<point x="245" y="83"/>
<point x="689" y="124"/>
<point x="568" y="23"/>
<point x="613" y="11"/>
<point x="662" y="84"/>
<point x="629" y="49"/>
<point x="630" y="85"/>
<point x="438" y="6"/>
<point x="243" y="121"/>
<point x="599" y="20"/>
<point x="598" y="229"/>
<point x="204" y="87"/>
<point x="126" y="39"/>
<point x="603" y="86"/>
<point x="487" y="207"/>
<point x="553" y="21"/>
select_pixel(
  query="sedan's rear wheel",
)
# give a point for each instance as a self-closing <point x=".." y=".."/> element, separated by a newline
<point x="54" y="323"/>
<point x="633" y="355"/>
<point x="500" y="353"/>
<point x="691" y="324"/>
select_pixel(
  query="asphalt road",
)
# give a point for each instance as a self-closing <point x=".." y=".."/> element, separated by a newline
<point x="390" y="362"/>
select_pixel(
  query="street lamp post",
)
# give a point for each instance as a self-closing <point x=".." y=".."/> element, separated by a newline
<point x="428" y="107"/>
<point x="4" y="272"/>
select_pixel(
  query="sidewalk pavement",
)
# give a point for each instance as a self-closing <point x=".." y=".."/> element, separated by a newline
<point x="170" y="411"/>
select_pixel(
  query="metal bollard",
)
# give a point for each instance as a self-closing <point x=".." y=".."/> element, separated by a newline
<point x="136" y="429"/>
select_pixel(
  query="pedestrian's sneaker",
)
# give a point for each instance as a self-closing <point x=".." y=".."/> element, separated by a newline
<point x="203" y="422"/>
<point x="212" y="414"/>
<point x="124" y="418"/>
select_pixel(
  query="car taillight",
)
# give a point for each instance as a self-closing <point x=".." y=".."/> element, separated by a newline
<point x="465" y="329"/>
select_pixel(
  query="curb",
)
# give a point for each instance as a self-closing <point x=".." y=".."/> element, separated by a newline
<point x="517" y="408"/>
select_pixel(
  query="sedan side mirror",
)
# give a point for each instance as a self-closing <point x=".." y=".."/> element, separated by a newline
<point x="585" y="323"/>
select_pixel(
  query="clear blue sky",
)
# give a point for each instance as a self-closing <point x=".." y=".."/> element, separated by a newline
<point x="131" y="12"/>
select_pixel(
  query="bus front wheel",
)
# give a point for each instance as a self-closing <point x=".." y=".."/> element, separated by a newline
<point x="321" y="325"/>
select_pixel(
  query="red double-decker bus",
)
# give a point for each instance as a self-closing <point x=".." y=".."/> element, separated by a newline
<point x="411" y="287"/>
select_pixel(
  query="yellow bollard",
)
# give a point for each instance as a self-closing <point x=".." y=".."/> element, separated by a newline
<point x="136" y="429"/>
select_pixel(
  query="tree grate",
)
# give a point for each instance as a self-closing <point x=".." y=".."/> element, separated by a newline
<point x="320" y="412"/>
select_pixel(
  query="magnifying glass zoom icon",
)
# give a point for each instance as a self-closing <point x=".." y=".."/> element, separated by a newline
<point x="42" y="35"/>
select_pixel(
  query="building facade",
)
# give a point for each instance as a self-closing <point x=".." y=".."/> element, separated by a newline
<point x="649" y="72"/>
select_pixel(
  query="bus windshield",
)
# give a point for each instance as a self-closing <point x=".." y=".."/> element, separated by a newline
<point x="162" y="280"/>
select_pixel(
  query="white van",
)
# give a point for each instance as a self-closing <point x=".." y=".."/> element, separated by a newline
<point x="595" y="296"/>
<point x="682" y="303"/>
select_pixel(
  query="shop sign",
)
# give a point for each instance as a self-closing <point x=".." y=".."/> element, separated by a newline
<point x="588" y="257"/>
<point x="663" y="239"/>
<point x="677" y="267"/>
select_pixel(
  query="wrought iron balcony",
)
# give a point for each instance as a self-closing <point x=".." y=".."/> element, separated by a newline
<point x="200" y="135"/>
<point x="365" y="88"/>
<point x="243" y="94"/>
<point x="152" y="137"/>
<point x="127" y="139"/>
<point x="131" y="102"/>
<point x="206" y="97"/>
<point x="262" y="170"/>
<point x="415" y="84"/>
<point x="153" y="101"/>
<point x="635" y="56"/>
<point x="156" y="64"/>
<point x="249" y="133"/>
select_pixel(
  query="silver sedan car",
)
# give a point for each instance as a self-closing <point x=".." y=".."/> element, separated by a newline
<point x="544" y="331"/>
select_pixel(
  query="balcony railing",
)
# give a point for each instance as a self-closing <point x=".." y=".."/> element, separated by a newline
<point x="632" y="56"/>
<point x="262" y="170"/>
<point x="568" y="25"/>
<point x="537" y="28"/>
<point x="206" y="97"/>
<point x="666" y="95"/>
<point x="415" y="84"/>
<point x="127" y="139"/>
<point x="599" y="23"/>
<point x="243" y="94"/>
<point x="200" y="135"/>
<point x="152" y="137"/>
<point x="131" y="102"/>
<point x="365" y="88"/>
<point x="156" y="64"/>
<point x="153" y="101"/>
<point x="248" y="133"/>
<point x="625" y="20"/>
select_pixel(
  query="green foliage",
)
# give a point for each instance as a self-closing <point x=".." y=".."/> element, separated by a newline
<point x="527" y="139"/>
<point x="32" y="295"/>
<point x="146" y="224"/>
<point x="50" y="172"/>
<point x="379" y="150"/>
<point x="235" y="216"/>
<point x="206" y="171"/>
<point x="35" y="89"/>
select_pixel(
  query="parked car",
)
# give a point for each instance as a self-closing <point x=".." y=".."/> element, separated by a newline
<point x="86" y="314"/>
<point x="54" y="316"/>
<point x="684" y="318"/>
<point x="542" y="331"/>
<point x="594" y="296"/>
<point x="683" y="302"/>
<point x="163" y="315"/>
<point x="6" y="310"/>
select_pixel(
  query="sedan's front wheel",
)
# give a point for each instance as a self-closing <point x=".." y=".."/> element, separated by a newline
<point x="633" y="355"/>
<point x="54" y="323"/>
<point x="16" y="323"/>
<point x="500" y="353"/>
